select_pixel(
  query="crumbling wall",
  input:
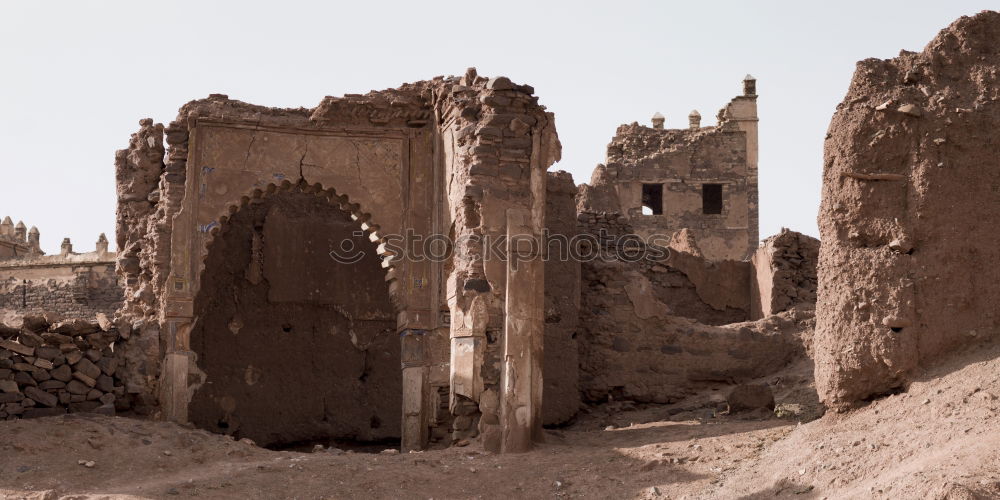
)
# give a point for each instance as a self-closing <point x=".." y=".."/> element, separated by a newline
<point x="665" y="322"/>
<point x="784" y="273"/>
<point x="148" y="189"/>
<point x="294" y="345"/>
<point x="50" y="366"/>
<point x="630" y="348"/>
<point x="79" y="289"/>
<point x="562" y="303"/>
<point x="462" y="156"/>
<point x="498" y="143"/>
<point x="685" y="284"/>
<point x="907" y="261"/>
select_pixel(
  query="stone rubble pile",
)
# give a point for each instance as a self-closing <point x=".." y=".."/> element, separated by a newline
<point x="50" y="366"/>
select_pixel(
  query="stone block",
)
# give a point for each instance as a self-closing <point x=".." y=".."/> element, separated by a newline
<point x="10" y="397"/>
<point x="15" y="347"/>
<point x="108" y="365"/>
<point x="76" y="387"/>
<point x="24" y="379"/>
<point x="88" y="368"/>
<point x="62" y="373"/>
<point x="41" y="397"/>
<point x="105" y="383"/>
<point x="47" y="352"/>
<point x="52" y="384"/>
<point x="82" y="377"/>
<point x="8" y="386"/>
<point x="746" y="397"/>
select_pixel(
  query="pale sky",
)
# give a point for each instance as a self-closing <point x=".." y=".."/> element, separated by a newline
<point x="76" y="77"/>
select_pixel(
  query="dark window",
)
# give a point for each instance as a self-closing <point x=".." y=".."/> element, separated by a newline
<point x="652" y="199"/>
<point x="711" y="198"/>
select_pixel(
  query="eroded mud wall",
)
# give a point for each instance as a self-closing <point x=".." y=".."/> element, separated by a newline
<point x="561" y="358"/>
<point x="909" y="243"/>
<point x="295" y="345"/>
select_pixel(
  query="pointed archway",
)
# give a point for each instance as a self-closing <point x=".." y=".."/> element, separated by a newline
<point x="295" y="329"/>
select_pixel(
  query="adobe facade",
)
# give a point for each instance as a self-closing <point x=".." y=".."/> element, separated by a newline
<point x="460" y="156"/>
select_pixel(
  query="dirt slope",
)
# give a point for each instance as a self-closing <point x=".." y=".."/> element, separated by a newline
<point x="938" y="440"/>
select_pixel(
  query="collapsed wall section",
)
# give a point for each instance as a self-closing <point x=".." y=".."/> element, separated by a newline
<point x="907" y="263"/>
<point x="661" y="327"/>
<point x="784" y="269"/>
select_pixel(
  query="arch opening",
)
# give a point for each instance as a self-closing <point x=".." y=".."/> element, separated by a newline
<point x="297" y="346"/>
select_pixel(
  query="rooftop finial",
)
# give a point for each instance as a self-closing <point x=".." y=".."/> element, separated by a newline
<point x="34" y="240"/>
<point x="66" y="248"/>
<point x="658" y="120"/>
<point x="102" y="244"/>
<point x="749" y="86"/>
<point x="21" y="231"/>
<point x="694" y="120"/>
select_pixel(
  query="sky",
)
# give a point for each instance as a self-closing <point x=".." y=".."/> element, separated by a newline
<point x="76" y="77"/>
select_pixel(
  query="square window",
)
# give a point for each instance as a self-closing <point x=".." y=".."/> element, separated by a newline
<point x="652" y="199"/>
<point x="711" y="199"/>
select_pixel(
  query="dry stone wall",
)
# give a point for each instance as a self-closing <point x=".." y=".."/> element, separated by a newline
<point x="907" y="268"/>
<point x="50" y="367"/>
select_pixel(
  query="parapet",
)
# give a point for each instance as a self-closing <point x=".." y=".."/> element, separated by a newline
<point x="20" y="246"/>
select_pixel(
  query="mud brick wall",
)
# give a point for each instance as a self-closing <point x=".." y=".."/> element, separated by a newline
<point x="71" y="290"/>
<point x="909" y="247"/>
<point x="64" y="366"/>
<point x="631" y="348"/>
<point x="562" y="304"/>
<point x="662" y="327"/>
<point x="685" y="284"/>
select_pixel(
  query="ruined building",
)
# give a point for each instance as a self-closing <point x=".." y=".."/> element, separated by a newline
<point x="72" y="284"/>
<point x="703" y="179"/>
<point x="374" y="268"/>
<point x="239" y="317"/>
